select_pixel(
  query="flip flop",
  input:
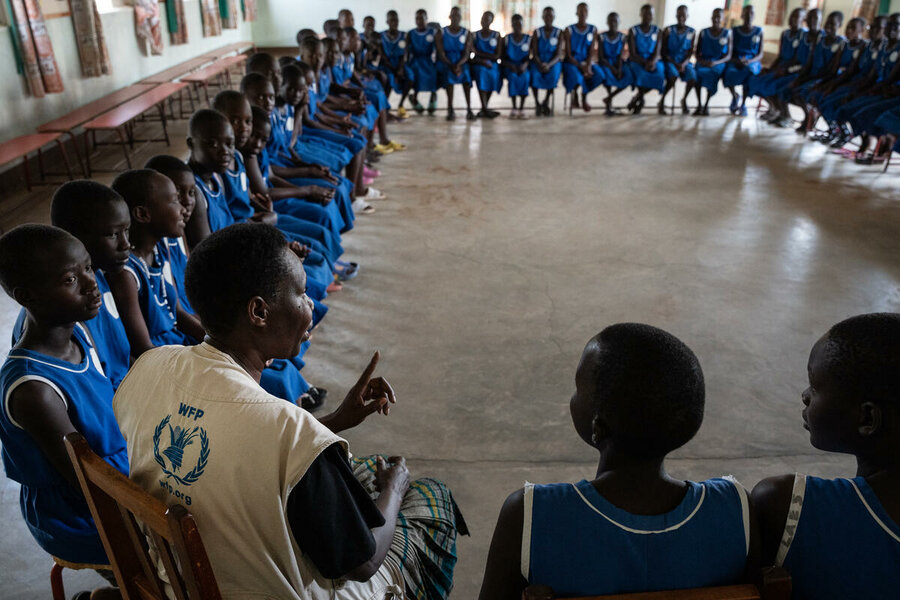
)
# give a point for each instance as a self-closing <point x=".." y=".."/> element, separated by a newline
<point x="313" y="399"/>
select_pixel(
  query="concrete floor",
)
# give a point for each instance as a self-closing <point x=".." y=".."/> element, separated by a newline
<point x="505" y="245"/>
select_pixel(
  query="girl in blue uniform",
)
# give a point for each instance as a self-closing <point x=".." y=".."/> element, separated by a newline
<point x="647" y="71"/>
<point x="840" y="538"/>
<point x="763" y="85"/>
<point x="516" y="52"/>
<point x="639" y="395"/>
<point x="485" y="68"/>
<point x="53" y="384"/>
<point x="579" y="69"/>
<point x="677" y="51"/>
<point x="420" y="53"/>
<point x="823" y="63"/>
<point x="746" y="60"/>
<point x="393" y="63"/>
<point x="616" y="74"/>
<point x="780" y="87"/>
<point x="453" y="45"/>
<point x="546" y="61"/>
<point x="713" y="53"/>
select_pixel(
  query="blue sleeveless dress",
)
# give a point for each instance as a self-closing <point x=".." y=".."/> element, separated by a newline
<point x="712" y="47"/>
<point x="645" y="46"/>
<point x="517" y="53"/>
<point x="823" y="54"/>
<point x="839" y="542"/>
<point x="454" y="46"/>
<point x="746" y="45"/>
<point x="421" y="60"/>
<point x="870" y="109"/>
<point x="581" y="42"/>
<point x="865" y="55"/>
<point x="580" y="544"/>
<point x="157" y="297"/>
<point x="547" y="46"/>
<point x="677" y="47"/>
<point x="55" y="512"/>
<point x="106" y="331"/>
<point x="612" y="50"/>
<point x="487" y="78"/>
<point x="393" y="51"/>
<point x="764" y="85"/>
<point x="805" y="45"/>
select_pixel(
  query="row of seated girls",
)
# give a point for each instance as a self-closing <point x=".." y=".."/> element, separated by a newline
<point x="848" y="82"/>
<point x="347" y="529"/>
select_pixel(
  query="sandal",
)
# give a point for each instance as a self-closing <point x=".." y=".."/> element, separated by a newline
<point x="345" y="270"/>
<point x="313" y="399"/>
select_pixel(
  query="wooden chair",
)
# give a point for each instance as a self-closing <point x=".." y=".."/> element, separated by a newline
<point x="774" y="584"/>
<point x="118" y="505"/>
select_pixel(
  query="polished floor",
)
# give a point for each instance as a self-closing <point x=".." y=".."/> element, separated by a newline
<point x="505" y="245"/>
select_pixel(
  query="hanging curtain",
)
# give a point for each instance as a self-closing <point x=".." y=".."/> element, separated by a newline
<point x="228" y="14"/>
<point x="867" y="9"/>
<point x="34" y="50"/>
<point x="212" y="21"/>
<point x="147" y="26"/>
<point x="249" y="9"/>
<point x="775" y="12"/>
<point x="175" y="19"/>
<point x="89" y="38"/>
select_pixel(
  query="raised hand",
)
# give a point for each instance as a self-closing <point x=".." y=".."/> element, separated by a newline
<point x="366" y="397"/>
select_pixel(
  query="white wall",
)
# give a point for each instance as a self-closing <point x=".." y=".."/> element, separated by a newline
<point x="22" y="112"/>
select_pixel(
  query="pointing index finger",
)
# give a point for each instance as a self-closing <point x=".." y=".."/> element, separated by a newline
<point x="367" y="374"/>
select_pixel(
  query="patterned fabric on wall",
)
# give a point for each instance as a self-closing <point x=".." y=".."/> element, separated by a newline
<point x="177" y="24"/>
<point x="34" y="50"/>
<point x="212" y="22"/>
<point x="89" y="37"/>
<point x="505" y="9"/>
<point x="465" y="9"/>
<point x="228" y="11"/>
<point x="775" y="12"/>
<point x="147" y="26"/>
<point x="867" y="9"/>
<point x="249" y="9"/>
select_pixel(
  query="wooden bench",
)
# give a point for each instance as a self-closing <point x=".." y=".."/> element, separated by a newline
<point x="217" y="70"/>
<point x="121" y="118"/>
<point x="179" y="70"/>
<point x="126" y="516"/>
<point x="235" y="48"/>
<point x="68" y="123"/>
<point x="22" y="146"/>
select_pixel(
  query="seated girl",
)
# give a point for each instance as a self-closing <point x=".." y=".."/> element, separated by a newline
<point x="713" y="54"/>
<point x="745" y="60"/>
<point x="610" y="51"/>
<point x="677" y="51"/>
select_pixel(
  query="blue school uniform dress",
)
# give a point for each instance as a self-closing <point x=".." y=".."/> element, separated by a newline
<point x="678" y="46"/>
<point x="580" y="544"/>
<point x="823" y="55"/>
<point x="865" y="56"/>
<point x="806" y="44"/>
<point x="487" y="77"/>
<point x="764" y="85"/>
<point x="517" y="53"/>
<point x="354" y="142"/>
<point x="712" y="47"/>
<point x="177" y="256"/>
<point x="105" y="331"/>
<point x="393" y="50"/>
<point x="645" y="46"/>
<point x="218" y="215"/>
<point x="157" y="298"/>
<point x="454" y="47"/>
<point x="421" y="60"/>
<point x="746" y="45"/>
<point x="861" y="113"/>
<point x="581" y="41"/>
<point x="55" y="512"/>
<point x="612" y="52"/>
<point x="839" y="542"/>
<point x="547" y="45"/>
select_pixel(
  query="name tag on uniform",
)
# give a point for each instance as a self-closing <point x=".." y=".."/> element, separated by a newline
<point x="429" y="38"/>
<point x="110" y="303"/>
<point x="856" y="54"/>
<point x="289" y="124"/>
<point x="553" y="41"/>
<point x="590" y="37"/>
<point x="755" y="39"/>
<point x="796" y="43"/>
<point x="462" y="39"/>
<point x="874" y="54"/>
<point x="524" y="47"/>
<point x="493" y="43"/>
<point x="834" y="47"/>
<point x="894" y="56"/>
<point x="723" y="41"/>
<point x="653" y="37"/>
<point x="401" y="44"/>
<point x="243" y="182"/>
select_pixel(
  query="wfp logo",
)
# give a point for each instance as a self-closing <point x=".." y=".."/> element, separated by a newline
<point x="179" y="440"/>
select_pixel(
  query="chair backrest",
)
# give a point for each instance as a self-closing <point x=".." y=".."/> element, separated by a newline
<point x="774" y="583"/>
<point x="123" y="512"/>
